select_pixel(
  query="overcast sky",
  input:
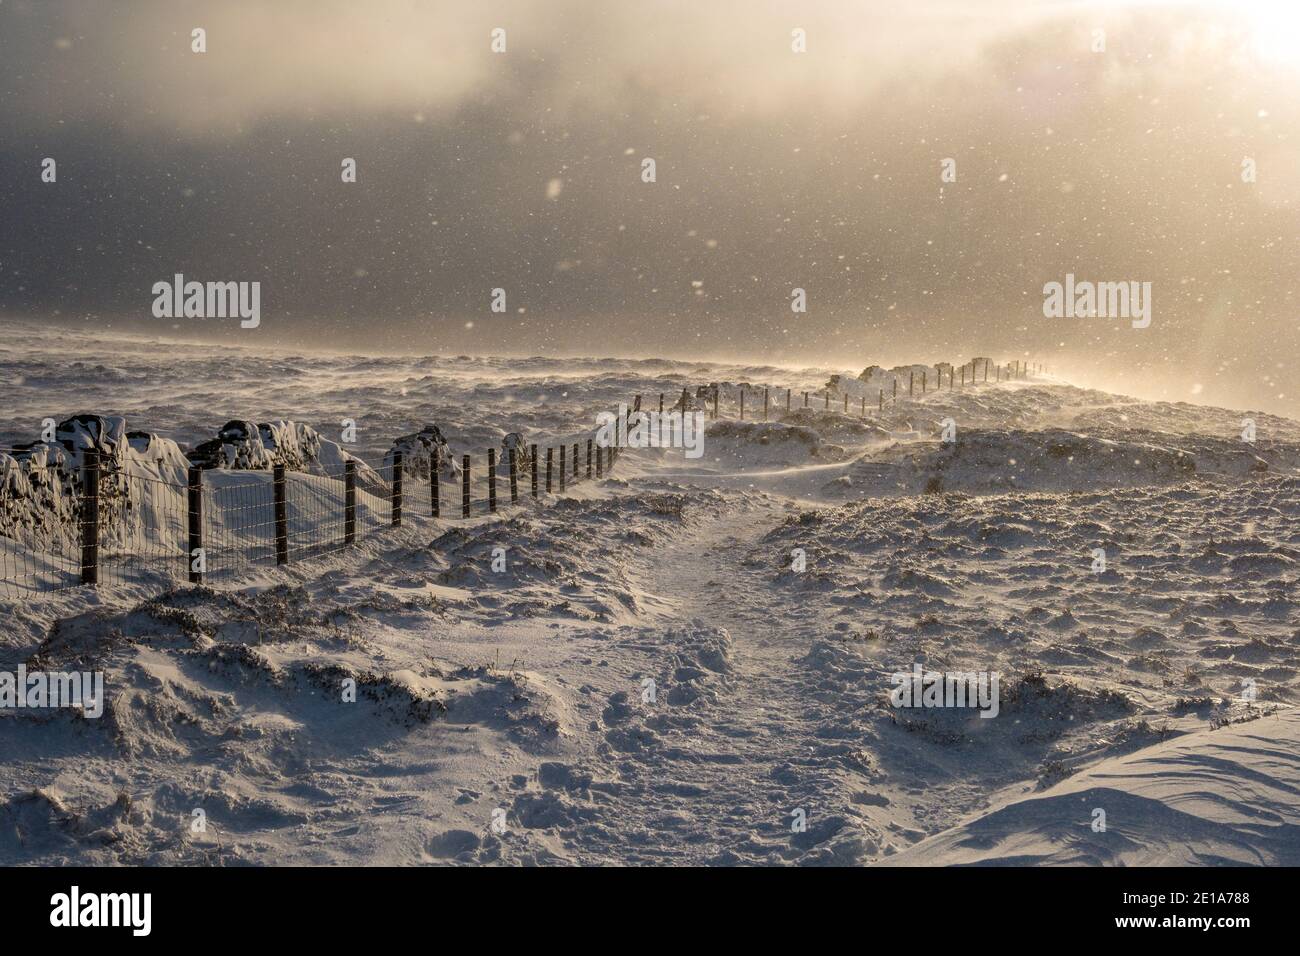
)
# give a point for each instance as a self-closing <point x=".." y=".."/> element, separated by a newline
<point x="775" y="170"/>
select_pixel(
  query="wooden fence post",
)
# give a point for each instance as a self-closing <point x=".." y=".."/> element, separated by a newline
<point x="90" y="517"/>
<point x="435" y="486"/>
<point x="661" y="403"/>
<point x="600" y="465"/>
<point x="589" y="444"/>
<point x="533" y="454"/>
<point x="550" y="457"/>
<point x="742" y="404"/>
<point x="492" y="479"/>
<point x="397" y="489"/>
<point x="194" y="494"/>
<point x="350" y="501"/>
<point x="881" y="406"/>
<point x="281" y="516"/>
<point x="575" y="462"/>
<point x="805" y="399"/>
<point x="514" y="478"/>
<point x="787" y="401"/>
<point x="895" y="386"/>
<point x="716" y="396"/>
<point x="464" y="487"/>
<point x="911" y="384"/>
<point x="563" y="470"/>
<point x="846" y="403"/>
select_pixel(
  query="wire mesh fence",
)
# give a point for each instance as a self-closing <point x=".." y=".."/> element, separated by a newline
<point x="66" y="523"/>
<point x="100" y="523"/>
<point x="64" y="526"/>
<point x="40" y="527"/>
<point x="143" y="540"/>
<point x="760" y="403"/>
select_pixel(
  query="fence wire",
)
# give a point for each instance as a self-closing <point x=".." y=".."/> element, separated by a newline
<point x="141" y="529"/>
<point x="137" y="529"/>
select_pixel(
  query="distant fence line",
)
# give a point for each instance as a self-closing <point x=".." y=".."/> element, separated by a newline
<point x="1001" y="373"/>
<point x="221" y="527"/>
<point x="204" y="530"/>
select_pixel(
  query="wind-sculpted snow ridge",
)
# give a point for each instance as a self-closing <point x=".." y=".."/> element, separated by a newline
<point x="238" y="705"/>
<point x="1198" y="593"/>
<point x="982" y="461"/>
<point x="1040" y="724"/>
<point x="768" y="443"/>
<point x="1018" y="405"/>
<point x="1183" y="419"/>
<point x="1222" y="797"/>
<point x="835" y="427"/>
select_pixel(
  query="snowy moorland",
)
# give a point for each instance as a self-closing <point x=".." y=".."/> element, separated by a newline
<point x="690" y="661"/>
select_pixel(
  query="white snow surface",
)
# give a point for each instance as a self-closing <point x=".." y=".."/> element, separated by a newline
<point x="1161" y="691"/>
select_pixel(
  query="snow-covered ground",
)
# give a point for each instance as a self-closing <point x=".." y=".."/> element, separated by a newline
<point x="769" y="590"/>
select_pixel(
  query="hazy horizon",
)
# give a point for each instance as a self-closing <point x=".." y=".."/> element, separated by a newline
<point x="1226" y="393"/>
<point x="775" y="170"/>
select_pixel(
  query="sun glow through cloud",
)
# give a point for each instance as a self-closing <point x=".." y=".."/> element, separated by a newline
<point x="1274" y="29"/>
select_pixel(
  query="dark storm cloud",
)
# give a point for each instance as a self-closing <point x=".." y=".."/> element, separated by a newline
<point x="775" y="170"/>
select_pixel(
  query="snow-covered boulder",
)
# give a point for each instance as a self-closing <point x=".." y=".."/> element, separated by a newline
<point x="421" y="451"/>
<point x="874" y="378"/>
<point x="515" y="442"/>
<point x="687" y="402"/>
<point x="141" y="485"/>
<point x="38" y="507"/>
<point x="245" y="446"/>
